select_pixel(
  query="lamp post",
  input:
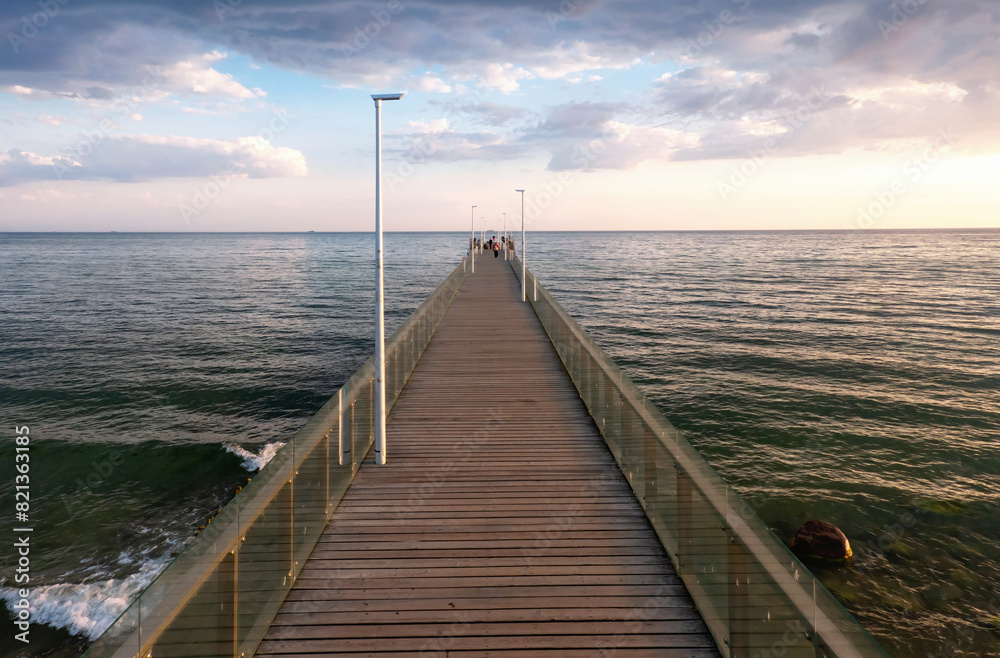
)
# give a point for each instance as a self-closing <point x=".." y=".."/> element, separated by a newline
<point x="472" y="242"/>
<point x="379" y="289"/>
<point x="524" y="297"/>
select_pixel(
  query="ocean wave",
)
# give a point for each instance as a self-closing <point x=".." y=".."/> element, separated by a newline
<point x="254" y="461"/>
<point x="86" y="609"/>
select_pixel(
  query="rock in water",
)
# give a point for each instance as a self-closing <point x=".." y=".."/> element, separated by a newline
<point x="821" y="540"/>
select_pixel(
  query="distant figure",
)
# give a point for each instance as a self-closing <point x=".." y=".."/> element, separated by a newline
<point x="496" y="250"/>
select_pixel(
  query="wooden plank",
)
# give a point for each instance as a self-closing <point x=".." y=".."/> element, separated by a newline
<point x="479" y="615"/>
<point x="494" y="629"/>
<point x="501" y="524"/>
<point x="640" y="594"/>
<point x="613" y="652"/>
<point x="623" y="605"/>
<point x="554" y="644"/>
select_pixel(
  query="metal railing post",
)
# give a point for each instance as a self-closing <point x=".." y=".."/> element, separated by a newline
<point x="738" y="599"/>
<point x="683" y="516"/>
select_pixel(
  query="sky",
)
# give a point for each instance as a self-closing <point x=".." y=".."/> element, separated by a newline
<point x="244" y="115"/>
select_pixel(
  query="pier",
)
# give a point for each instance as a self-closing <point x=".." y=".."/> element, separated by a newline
<point x="500" y="522"/>
<point x="534" y="502"/>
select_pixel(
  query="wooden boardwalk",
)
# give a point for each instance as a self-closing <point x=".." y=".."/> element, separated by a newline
<point x="500" y="526"/>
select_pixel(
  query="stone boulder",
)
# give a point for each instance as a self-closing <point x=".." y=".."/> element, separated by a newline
<point x="821" y="540"/>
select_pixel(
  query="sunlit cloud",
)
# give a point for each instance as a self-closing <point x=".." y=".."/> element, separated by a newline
<point x="146" y="157"/>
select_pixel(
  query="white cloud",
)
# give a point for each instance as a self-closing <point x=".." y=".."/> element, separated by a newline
<point x="146" y="157"/>
<point x="621" y="145"/>
<point x="33" y="158"/>
<point x="904" y="93"/>
<point x="434" y="127"/>
<point x="432" y="83"/>
<point x="196" y="76"/>
<point x="578" y="57"/>
<point x="503" y="77"/>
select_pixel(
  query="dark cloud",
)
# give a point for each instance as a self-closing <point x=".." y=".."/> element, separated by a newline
<point x="99" y="93"/>
<point x="896" y="66"/>
<point x="101" y="39"/>
<point x="577" y="119"/>
<point x="808" y="41"/>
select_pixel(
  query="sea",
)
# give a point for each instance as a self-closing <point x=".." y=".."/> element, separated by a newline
<point x="845" y="376"/>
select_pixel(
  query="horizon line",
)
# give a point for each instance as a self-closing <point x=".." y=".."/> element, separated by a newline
<point x="706" y="230"/>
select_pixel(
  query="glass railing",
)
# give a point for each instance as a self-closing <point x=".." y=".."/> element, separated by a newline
<point x="220" y="594"/>
<point x="756" y="597"/>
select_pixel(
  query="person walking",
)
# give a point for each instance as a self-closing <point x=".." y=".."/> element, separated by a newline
<point x="496" y="250"/>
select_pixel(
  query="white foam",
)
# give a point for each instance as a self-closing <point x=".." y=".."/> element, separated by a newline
<point x="255" y="461"/>
<point x="86" y="609"/>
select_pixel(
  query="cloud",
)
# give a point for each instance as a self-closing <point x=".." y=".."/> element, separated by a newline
<point x="738" y="70"/>
<point x="146" y="157"/>
<point x="576" y="136"/>
<point x="434" y="127"/>
<point x="196" y="76"/>
<point x="53" y="120"/>
<point x="564" y="60"/>
<point x="432" y="83"/>
<point x="592" y="136"/>
<point x="437" y="141"/>
<point x="503" y="77"/>
<point x="492" y="114"/>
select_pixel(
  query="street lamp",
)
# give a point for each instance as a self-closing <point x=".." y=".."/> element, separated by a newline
<point x="524" y="297"/>
<point x="472" y="242"/>
<point x="379" y="289"/>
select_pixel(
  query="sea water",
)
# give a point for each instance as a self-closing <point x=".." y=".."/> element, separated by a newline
<point x="845" y="376"/>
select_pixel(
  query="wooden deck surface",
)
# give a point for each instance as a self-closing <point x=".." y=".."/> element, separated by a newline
<point x="500" y="526"/>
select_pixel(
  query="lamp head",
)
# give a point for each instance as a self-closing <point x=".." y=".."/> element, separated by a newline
<point x="388" y="97"/>
<point x="521" y="191"/>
